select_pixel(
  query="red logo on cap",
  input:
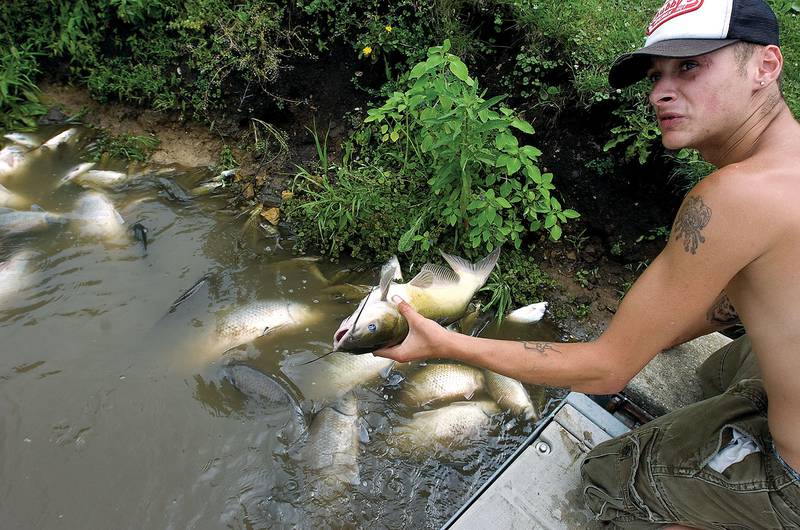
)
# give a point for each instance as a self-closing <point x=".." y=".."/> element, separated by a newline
<point x="672" y="9"/>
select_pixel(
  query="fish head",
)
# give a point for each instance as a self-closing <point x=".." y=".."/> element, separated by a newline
<point x="372" y="326"/>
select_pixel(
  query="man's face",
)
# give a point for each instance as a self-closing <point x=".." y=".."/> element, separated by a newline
<point x="699" y="101"/>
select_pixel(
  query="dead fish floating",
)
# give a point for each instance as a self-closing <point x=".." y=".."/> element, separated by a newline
<point x="437" y="293"/>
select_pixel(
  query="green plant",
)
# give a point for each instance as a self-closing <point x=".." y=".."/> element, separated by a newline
<point x="483" y="183"/>
<point x="637" y="133"/>
<point x="577" y="240"/>
<point x="582" y="311"/>
<point x="689" y="168"/>
<point x="269" y="142"/>
<point x="19" y="95"/>
<point x="500" y="296"/>
<point x="661" y="233"/>
<point x="124" y="146"/>
<point x="225" y="159"/>
<point x="616" y="248"/>
<point x="585" y="278"/>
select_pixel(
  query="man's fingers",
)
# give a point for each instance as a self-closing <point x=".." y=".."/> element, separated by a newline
<point x="402" y="306"/>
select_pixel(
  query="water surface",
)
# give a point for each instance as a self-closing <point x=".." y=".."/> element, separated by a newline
<point x="115" y="416"/>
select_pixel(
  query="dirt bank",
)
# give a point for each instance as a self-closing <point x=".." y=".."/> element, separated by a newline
<point x="592" y="269"/>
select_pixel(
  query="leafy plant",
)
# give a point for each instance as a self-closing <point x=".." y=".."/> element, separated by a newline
<point x="19" y="95"/>
<point x="124" y="146"/>
<point x="483" y="183"/>
<point x="637" y="133"/>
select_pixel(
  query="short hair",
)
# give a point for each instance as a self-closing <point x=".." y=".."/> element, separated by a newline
<point x="742" y="52"/>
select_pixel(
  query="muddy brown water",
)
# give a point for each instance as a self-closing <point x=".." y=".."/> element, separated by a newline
<point x="113" y="416"/>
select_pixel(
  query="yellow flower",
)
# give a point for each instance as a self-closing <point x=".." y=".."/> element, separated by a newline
<point x="388" y="29"/>
<point x="366" y="51"/>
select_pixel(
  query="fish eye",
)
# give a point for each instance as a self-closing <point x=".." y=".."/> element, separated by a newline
<point x="372" y="327"/>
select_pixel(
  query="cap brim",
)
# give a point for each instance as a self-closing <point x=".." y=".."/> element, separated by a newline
<point x="632" y="67"/>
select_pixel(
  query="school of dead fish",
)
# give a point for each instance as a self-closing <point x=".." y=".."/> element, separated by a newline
<point x="329" y="444"/>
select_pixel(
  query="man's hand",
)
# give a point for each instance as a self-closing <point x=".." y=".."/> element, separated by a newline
<point x="425" y="337"/>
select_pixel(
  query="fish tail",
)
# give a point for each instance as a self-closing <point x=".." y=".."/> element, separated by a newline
<point x="480" y="270"/>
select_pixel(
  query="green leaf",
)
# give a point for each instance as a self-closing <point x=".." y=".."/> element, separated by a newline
<point x="571" y="214"/>
<point x="394" y="136"/>
<point x="505" y="188"/>
<point x="513" y="165"/>
<point x="523" y="126"/>
<point x="502" y="202"/>
<point x="555" y="233"/>
<point x="550" y="220"/>
<point x="459" y="69"/>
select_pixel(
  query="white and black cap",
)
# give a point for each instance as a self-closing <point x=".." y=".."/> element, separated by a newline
<point x="686" y="28"/>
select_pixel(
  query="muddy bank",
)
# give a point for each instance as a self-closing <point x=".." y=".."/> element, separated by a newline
<point x="592" y="266"/>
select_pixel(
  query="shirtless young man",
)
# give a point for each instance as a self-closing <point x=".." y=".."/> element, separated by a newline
<point x="735" y="243"/>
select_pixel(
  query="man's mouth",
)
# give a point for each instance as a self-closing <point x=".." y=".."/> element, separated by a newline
<point x="668" y="120"/>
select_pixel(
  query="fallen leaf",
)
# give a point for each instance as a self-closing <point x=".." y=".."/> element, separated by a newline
<point x="286" y="195"/>
<point x="248" y="192"/>
<point x="272" y="215"/>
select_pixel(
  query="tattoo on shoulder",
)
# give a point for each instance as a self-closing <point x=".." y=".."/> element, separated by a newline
<point x="722" y="312"/>
<point x="693" y="216"/>
<point x="542" y="347"/>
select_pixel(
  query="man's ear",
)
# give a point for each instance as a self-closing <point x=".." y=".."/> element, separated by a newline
<point x="770" y="65"/>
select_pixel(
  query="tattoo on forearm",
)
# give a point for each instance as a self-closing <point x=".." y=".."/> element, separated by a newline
<point x="722" y="312"/>
<point x="542" y="347"/>
<point x="693" y="216"/>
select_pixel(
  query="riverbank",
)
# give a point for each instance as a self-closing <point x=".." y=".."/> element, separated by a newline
<point x="590" y="268"/>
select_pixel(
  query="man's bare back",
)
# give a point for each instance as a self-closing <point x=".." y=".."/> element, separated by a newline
<point x="766" y="292"/>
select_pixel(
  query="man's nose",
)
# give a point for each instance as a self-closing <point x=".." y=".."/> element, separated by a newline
<point x="663" y="91"/>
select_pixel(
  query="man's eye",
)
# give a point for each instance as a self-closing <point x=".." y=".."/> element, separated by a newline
<point x="688" y="65"/>
<point x="653" y="77"/>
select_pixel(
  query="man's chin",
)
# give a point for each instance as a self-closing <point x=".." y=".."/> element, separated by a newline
<point x="673" y="142"/>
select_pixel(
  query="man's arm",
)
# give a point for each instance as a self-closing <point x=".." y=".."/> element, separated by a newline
<point x="713" y="238"/>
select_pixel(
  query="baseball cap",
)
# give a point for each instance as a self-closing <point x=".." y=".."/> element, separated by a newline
<point x="686" y="28"/>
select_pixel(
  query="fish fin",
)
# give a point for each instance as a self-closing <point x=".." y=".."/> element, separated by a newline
<point x="384" y="372"/>
<point x="479" y="270"/>
<point x="393" y="264"/>
<point x="434" y="276"/>
<point x="386" y="281"/>
<point x="189" y="292"/>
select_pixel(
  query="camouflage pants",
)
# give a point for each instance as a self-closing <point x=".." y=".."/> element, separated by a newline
<point x="658" y="473"/>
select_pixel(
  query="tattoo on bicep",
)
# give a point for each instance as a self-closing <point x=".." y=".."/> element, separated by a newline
<point x="693" y="216"/>
<point x="722" y="312"/>
<point x="542" y="347"/>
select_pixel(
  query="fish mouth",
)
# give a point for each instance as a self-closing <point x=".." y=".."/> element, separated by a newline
<point x="339" y="337"/>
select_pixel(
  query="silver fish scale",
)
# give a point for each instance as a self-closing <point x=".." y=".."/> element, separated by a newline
<point x="332" y="445"/>
<point x="443" y="382"/>
<point x="255" y="384"/>
<point x="18" y="222"/>
<point x="451" y="424"/>
<point x="510" y="395"/>
<point x="255" y="319"/>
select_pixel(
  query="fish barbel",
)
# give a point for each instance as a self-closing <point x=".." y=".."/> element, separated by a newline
<point x="437" y="293"/>
<point x="442" y="382"/>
